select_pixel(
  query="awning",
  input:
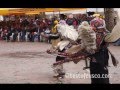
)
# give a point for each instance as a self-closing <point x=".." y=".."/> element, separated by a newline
<point x="62" y="9"/>
<point x="4" y="12"/>
<point x="8" y="11"/>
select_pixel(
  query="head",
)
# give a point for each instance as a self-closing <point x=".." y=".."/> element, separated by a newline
<point x="62" y="16"/>
<point x="96" y="15"/>
<point x="85" y="23"/>
<point x="55" y="22"/>
<point x="62" y="22"/>
<point x="43" y="19"/>
<point x="70" y="16"/>
<point x="70" y="20"/>
<point x="84" y="26"/>
<point x="102" y="17"/>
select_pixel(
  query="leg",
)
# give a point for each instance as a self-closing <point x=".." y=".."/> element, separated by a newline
<point x="96" y="69"/>
<point x="58" y="70"/>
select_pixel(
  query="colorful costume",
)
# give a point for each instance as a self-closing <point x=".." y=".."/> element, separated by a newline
<point x="99" y="60"/>
<point x="88" y="37"/>
<point x="67" y="33"/>
<point x="92" y="46"/>
<point x="55" y="39"/>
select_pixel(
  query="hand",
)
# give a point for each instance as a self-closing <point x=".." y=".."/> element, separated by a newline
<point x="94" y="28"/>
<point x="48" y="51"/>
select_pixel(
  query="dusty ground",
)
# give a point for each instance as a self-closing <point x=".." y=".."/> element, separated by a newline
<point x="25" y="62"/>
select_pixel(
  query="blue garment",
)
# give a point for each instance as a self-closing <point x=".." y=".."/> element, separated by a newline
<point x="22" y="35"/>
<point x="117" y="43"/>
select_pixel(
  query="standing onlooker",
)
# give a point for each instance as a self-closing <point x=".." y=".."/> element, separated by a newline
<point x="72" y="21"/>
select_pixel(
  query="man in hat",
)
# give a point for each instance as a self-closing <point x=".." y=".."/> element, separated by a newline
<point x="97" y="22"/>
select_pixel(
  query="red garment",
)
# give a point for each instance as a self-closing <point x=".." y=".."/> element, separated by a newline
<point x="43" y="25"/>
<point x="97" y="23"/>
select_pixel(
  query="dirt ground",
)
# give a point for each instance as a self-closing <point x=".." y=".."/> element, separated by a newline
<point x="28" y="63"/>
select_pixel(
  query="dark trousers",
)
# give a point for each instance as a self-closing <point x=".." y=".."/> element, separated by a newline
<point x="15" y="37"/>
<point x="98" y="67"/>
<point x="59" y="58"/>
<point x="31" y="37"/>
<point x="97" y="71"/>
<point x="23" y="36"/>
<point x="8" y="37"/>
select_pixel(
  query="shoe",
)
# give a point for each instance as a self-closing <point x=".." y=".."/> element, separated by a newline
<point x="60" y="76"/>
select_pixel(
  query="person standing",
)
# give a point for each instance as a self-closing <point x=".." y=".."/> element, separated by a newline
<point x="99" y="60"/>
<point x="72" y="21"/>
<point x="55" y="39"/>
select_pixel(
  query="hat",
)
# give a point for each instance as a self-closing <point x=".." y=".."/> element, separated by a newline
<point x="70" y="16"/>
<point x="55" y="22"/>
<point x="101" y="16"/>
<point x="96" y="15"/>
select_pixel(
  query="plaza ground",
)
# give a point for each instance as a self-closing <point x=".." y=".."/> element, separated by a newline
<point x="28" y="63"/>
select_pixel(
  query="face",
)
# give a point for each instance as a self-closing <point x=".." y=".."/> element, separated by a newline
<point x="43" y="20"/>
<point x="97" y="24"/>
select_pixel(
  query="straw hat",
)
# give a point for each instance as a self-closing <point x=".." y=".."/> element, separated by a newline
<point x="101" y="16"/>
<point x="96" y="15"/>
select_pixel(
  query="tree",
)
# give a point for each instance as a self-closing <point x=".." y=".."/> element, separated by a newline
<point x="109" y="18"/>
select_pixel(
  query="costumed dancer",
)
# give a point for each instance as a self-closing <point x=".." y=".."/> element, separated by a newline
<point x="67" y="34"/>
<point x="88" y="37"/>
<point x="99" y="60"/>
<point x="55" y="38"/>
<point x="58" y="70"/>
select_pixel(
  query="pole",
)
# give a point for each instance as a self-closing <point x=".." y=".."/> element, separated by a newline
<point x="53" y="14"/>
<point x="59" y="13"/>
<point x="96" y="10"/>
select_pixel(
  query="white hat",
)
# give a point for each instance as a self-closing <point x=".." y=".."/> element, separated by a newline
<point x="70" y="16"/>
